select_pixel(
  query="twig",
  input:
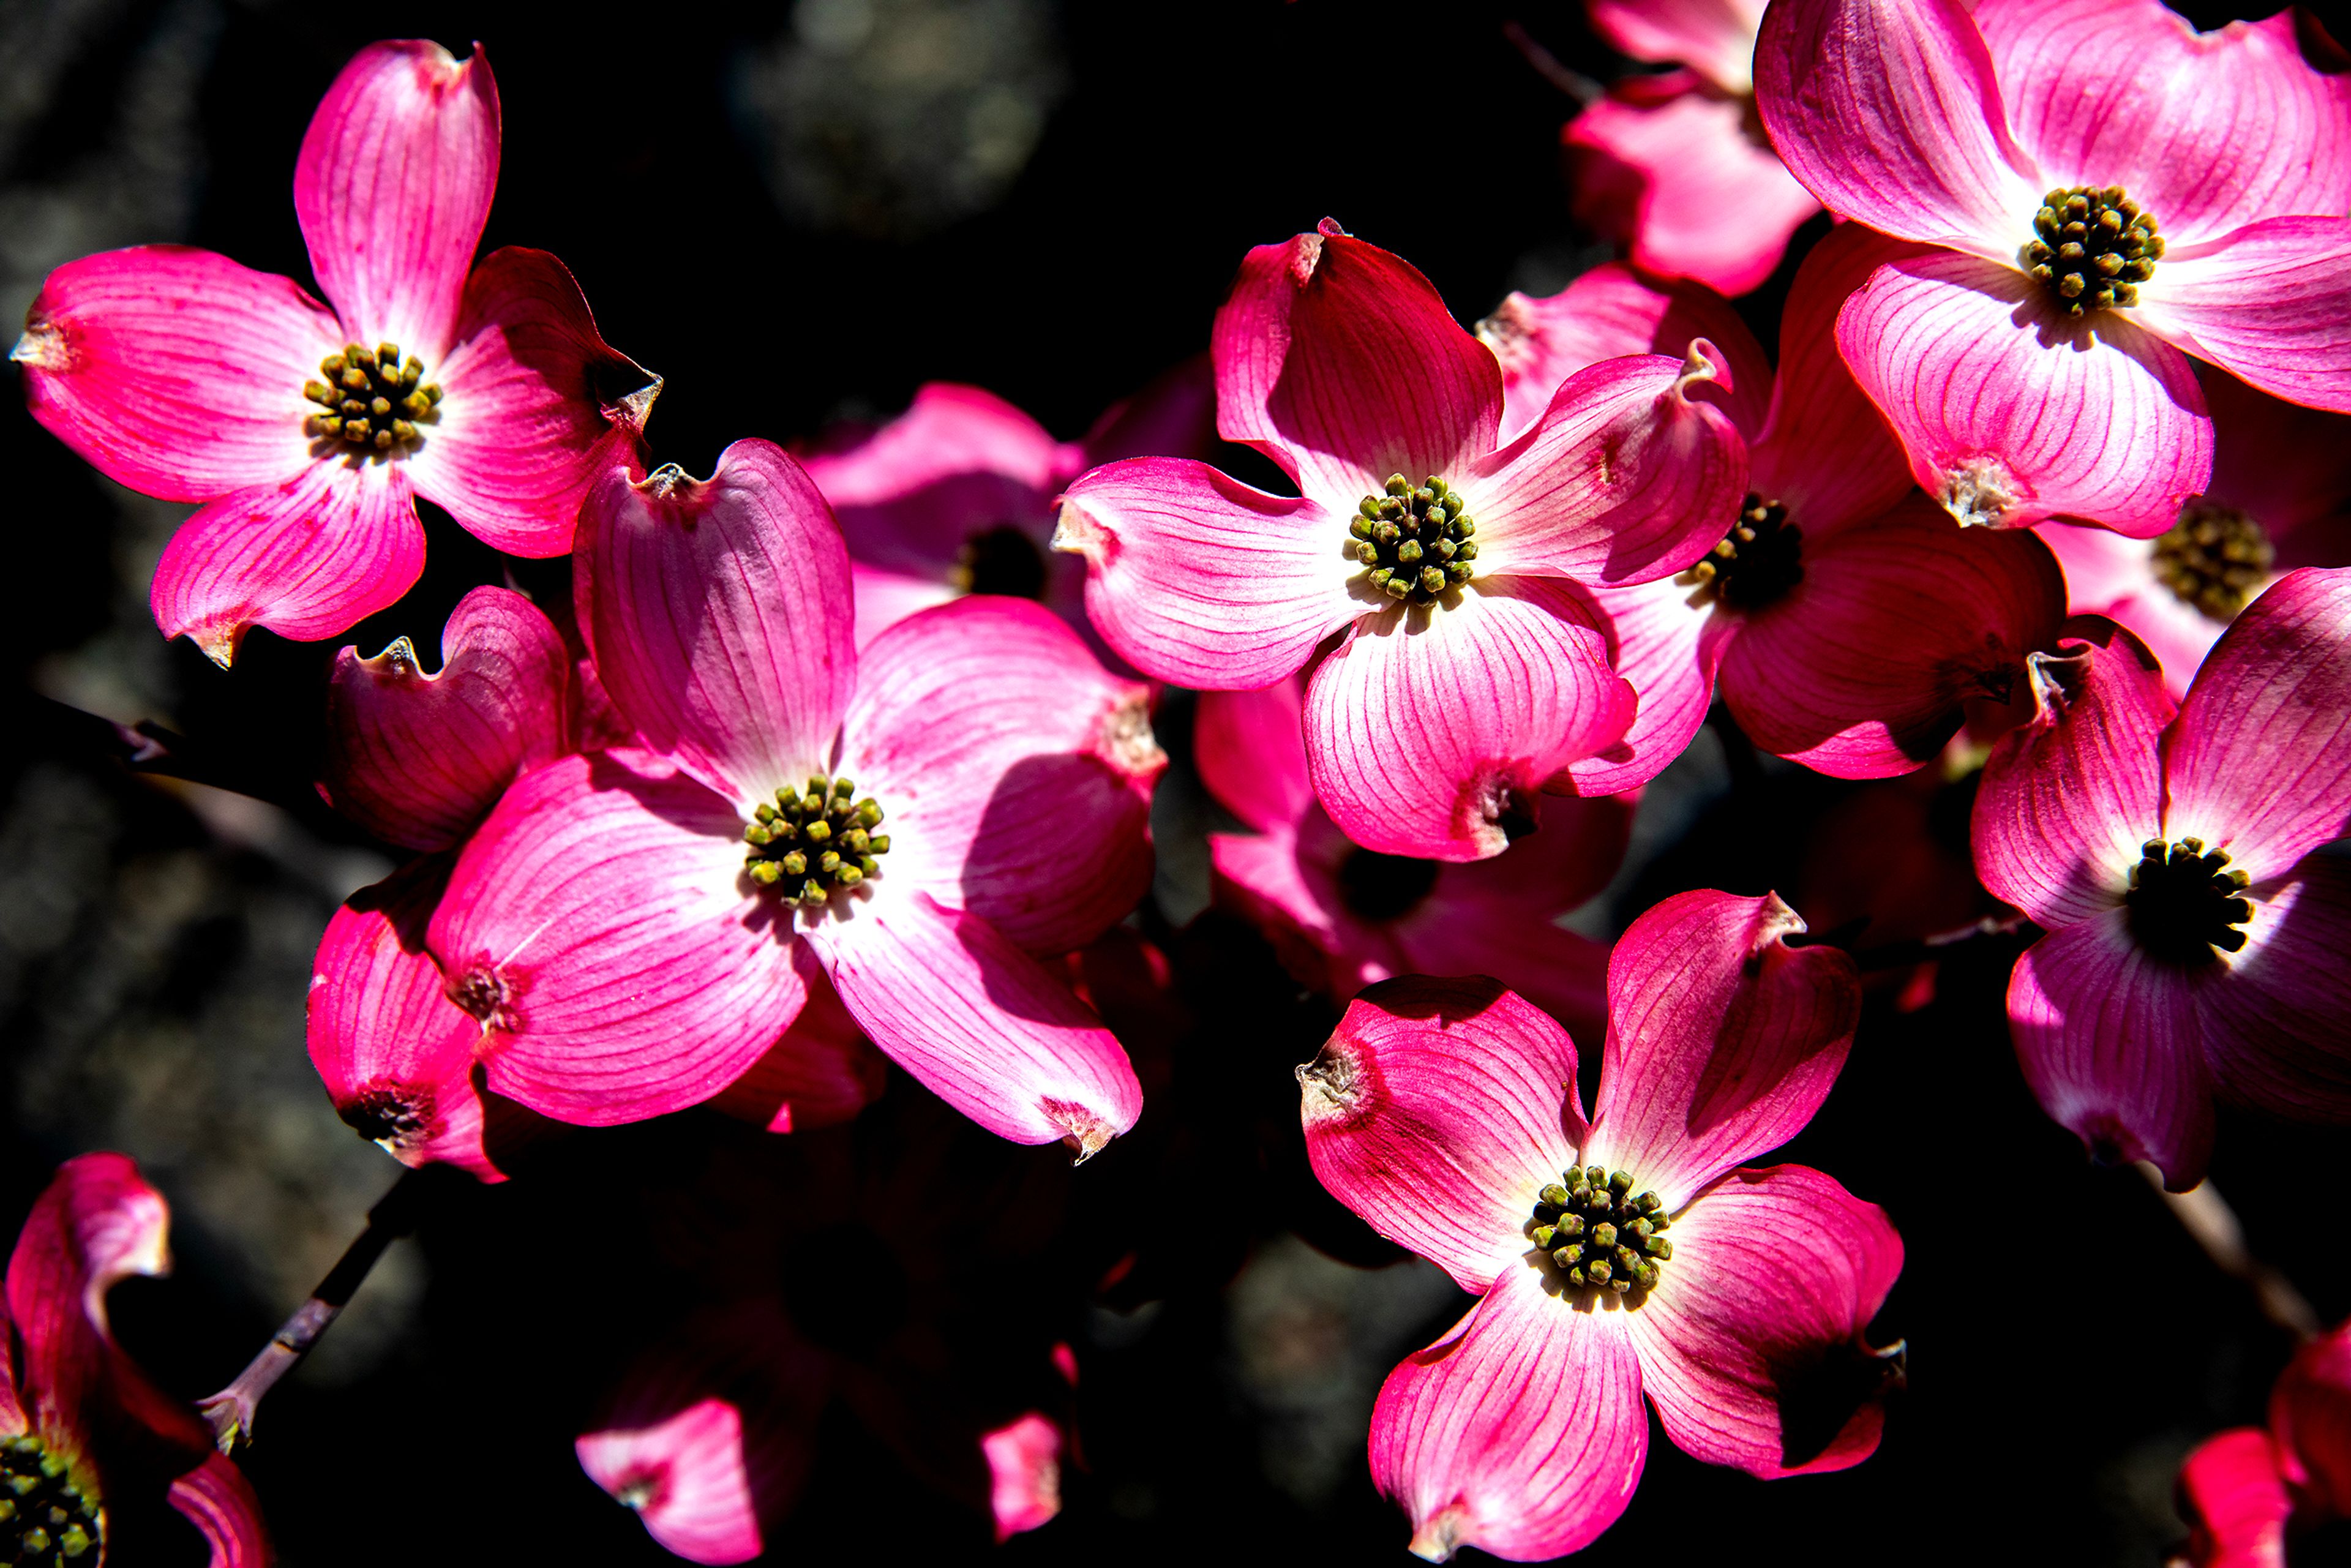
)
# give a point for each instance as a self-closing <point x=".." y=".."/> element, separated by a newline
<point x="2206" y="1216"/>
<point x="149" y="747"/>
<point x="1940" y="945"/>
<point x="1575" y="84"/>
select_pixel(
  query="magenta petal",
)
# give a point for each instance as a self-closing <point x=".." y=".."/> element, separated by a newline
<point x="949" y="998"/>
<point x="2266" y="303"/>
<point x="1775" y="1274"/>
<point x="1016" y="772"/>
<point x="2108" y="1041"/>
<point x="2258" y="761"/>
<point x="2278" y="1034"/>
<point x="822" y="1072"/>
<point x="219" y="1501"/>
<point x="1519" y="1433"/>
<point x="1861" y="672"/>
<point x="176" y="372"/>
<point x="1437" y="1111"/>
<point x="718" y="611"/>
<point x="2010" y="416"/>
<point x="1024" y="1468"/>
<point x="1888" y="111"/>
<point x="1250" y="750"/>
<point x="97" y="1224"/>
<point x="1666" y="648"/>
<point x="393" y="187"/>
<point x="2235" y="1501"/>
<point x="1197" y="578"/>
<point x="418" y="759"/>
<point x="600" y="927"/>
<point x="1340" y="361"/>
<point x="2110" y="575"/>
<point x="959" y="461"/>
<point x="1428" y="730"/>
<point x="308" y="558"/>
<point x="1714" y="37"/>
<point x="538" y="406"/>
<point x="694" y="1482"/>
<point x="2310" y="1422"/>
<point x="2068" y="797"/>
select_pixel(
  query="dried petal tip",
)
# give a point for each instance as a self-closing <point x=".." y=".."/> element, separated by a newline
<point x="1330" y="1082"/>
<point x="1703" y="364"/>
<point x="1980" y="493"/>
<point x="219" y="643"/>
<point x="44" y="346"/>
<point x="1085" y="1132"/>
<point x="1126" y="740"/>
<point x="1440" y="1535"/>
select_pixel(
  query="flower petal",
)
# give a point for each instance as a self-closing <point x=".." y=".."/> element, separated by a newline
<point x="2258" y="761"/>
<point x="393" y="187"/>
<point x="1340" y="361"/>
<point x="600" y="927"/>
<point x="2110" y="575"/>
<point x="1024" y="1466"/>
<point x="2310" y="1422"/>
<point x="1437" y="1111"/>
<point x="980" y="1023"/>
<point x="219" y="1501"/>
<point x="1429" y="728"/>
<point x="819" y="1074"/>
<point x="2108" y="1040"/>
<point x="699" y="1506"/>
<point x="2234" y="1501"/>
<point x="2265" y="303"/>
<point x="958" y="462"/>
<point x="176" y="372"/>
<point x="2068" y="797"/>
<point x="539" y="405"/>
<point x="1666" y="649"/>
<point x="1889" y="112"/>
<point x="308" y="558"/>
<point x="1519" y="1433"/>
<point x="1015" y="772"/>
<point x="1197" y="578"/>
<point x="97" y="1223"/>
<point x="2010" y="415"/>
<point x="718" y="611"/>
<point x="2208" y="131"/>
<point x="1722" y="1039"/>
<point x="2278" y="1034"/>
<point x="418" y="759"/>
<point x="1715" y="37"/>
<point x="1250" y="751"/>
<point x="1863" y="669"/>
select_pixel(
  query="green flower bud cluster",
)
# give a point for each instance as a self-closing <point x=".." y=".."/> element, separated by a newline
<point x="810" y="844"/>
<point x="2214" y="558"/>
<point x="1599" y="1235"/>
<point x="372" y="400"/>
<point x="1761" y="558"/>
<point x="1416" y="539"/>
<point x="44" y="1519"/>
<point x="2093" y="248"/>
<point x="2184" y="903"/>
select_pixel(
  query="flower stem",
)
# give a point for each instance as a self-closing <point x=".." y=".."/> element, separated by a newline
<point x="1575" y="84"/>
<point x="2205" y="1215"/>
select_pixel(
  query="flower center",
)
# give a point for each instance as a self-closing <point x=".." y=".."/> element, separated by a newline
<point x="1380" y="887"/>
<point x="2213" y="559"/>
<point x="1002" y="560"/>
<point x="373" y="400"/>
<point x="1599" y="1236"/>
<point x="810" y="844"/>
<point x="44" y="1519"/>
<point x="1416" y="542"/>
<point x="1761" y="558"/>
<point x="2092" y="248"/>
<point x="388" y="1114"/>
<point x="2183" y="905"/>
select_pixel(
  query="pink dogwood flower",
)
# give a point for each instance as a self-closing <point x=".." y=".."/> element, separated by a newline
<point x="1623" y="1255"/>
<point x="2108" y="192"/>
<point x="1465" y="673"/>
<point x="1341" y="916"/>
<point x="90" y="1448"/>
<point x="305" y="431"/>
<point x="2178" y="856"/>
<point x="1848" y="622"/>
<point x="631" y="935"/>
<point x="1676" y="164"/>
<point x="2248" y="1492"/>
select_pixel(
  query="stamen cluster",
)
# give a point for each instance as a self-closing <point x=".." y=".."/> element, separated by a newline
<point x="2215" y="558"/>
<point x="1598" y="1236"/>
<point x="1416" y="540"/>
<point x="44" y="1519"/>
<point x="2094" y="248"/>
<point x="1761" y="557"/>
<point x="2183" y="905"/>
<point x="372" y="397"/>
<point x="809" y="844"/>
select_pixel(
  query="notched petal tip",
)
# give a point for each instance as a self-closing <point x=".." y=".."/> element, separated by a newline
<point x="1331" y="1084"/>
<point x="398" y="662"/>
<point x="1076" y="532"/>
<point x="1981" y="492"/>
<point x="1774" y="922"/>
<point x="43" y="346"/>
<point x="1085" y="1133"/>
<point x="1124" y="739"/>
<point x="631" y="411"/>
<point x="1705" y="374"/>
<point x="220" y="643"/>
<point x="668" y="483"/>
<point x="1439" y="1536"/>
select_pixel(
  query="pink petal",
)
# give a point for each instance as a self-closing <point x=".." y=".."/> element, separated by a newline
<point x="959" y="460"/>
<point x="418" y="759"/>
<point x="980" y="1022"/>
<point x="1294" y="902"/>
<point x="539" y="405"/>
<point x="1016" y="772"/>
<point x="1197" y="578"/>
<point x="2068" y="797"/>
<point x="176" y="372"/>
<point x="2011" y="416"/>
<point x="2258" y="761"/>
<point x="2208" y="131"/>
<point x="2235" y="1502"/>
<point x="1716" y="38"/>
<point x="97" y="1224"/>
<point x="219" y="1501"/>
<point x="2108" y="1040"/>
<point x="1250" y="750"/>
<point x="307" y="557"/>
<point x="1429" y="728"/>
<point x="1437" y="1111"/>
<point x="393" y="187"/>
<point x="1340" y="361"/>
<point x="2286" y="465"/>
<point x="1519" y="1433"/>
<point x="699" y="1505"/>
<point x="1024" y="1466"/>
<point x="1605" y="314"/>
<point x="1712" y="203"/>
<point x="2109" y="575"/>
<point x="885" y="598"/>
<point x="1722" y="1039"/>
<point x="2310" y="1423"/>
<point x="1863" y="670"/>
<point x="1888" y="111"/>
<point x="1625" y="478"/>
<point x="718" y="612"/>
<point x="2265" y="303"/>
<point x="1751" y="1343"/>
<point x="2278" y="1032"/>
<point x="600" y="927"/>
<point x="820" y="1074"/>
<point x="1666" y="649"/>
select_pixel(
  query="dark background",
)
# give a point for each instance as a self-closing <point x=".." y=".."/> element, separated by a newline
<point x="2068" y="1343"/>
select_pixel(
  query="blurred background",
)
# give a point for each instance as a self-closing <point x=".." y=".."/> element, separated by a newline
<point x="797" y="214"/>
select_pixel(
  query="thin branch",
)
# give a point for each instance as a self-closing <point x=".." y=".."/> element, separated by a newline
<point x="149" y="747"/>
<point x="2206" y="1216"/>
<point x="1575" y="84"/>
